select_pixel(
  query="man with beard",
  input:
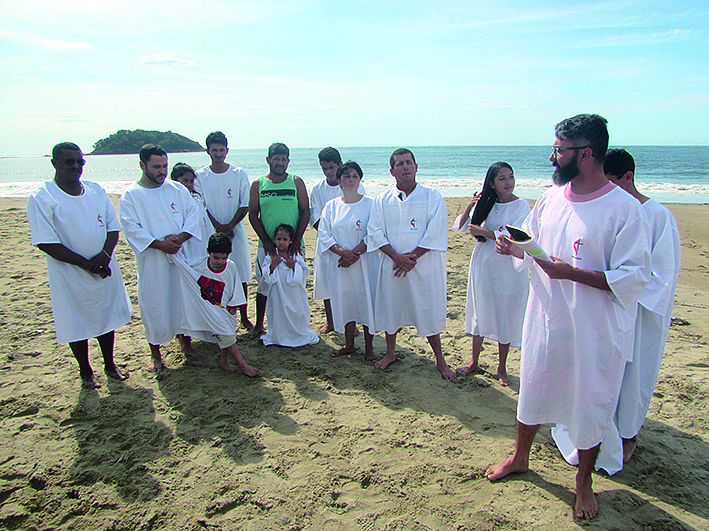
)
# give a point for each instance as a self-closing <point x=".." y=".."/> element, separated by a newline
<point x="158" y="216"/>
<point x="276" y="198"/>
<point x="578" y="329"/>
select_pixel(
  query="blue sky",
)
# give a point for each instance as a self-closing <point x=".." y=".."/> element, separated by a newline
<point x="381" y="72"/>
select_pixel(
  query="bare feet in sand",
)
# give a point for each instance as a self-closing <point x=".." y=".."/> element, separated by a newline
<point x="248" y="370"/>
<point x="586" y="503"/>
<point x="629" y="446"/>
<point x="186" y="347"/>
<point x="256" y="332"/>
<point x="246" y="324"/>
<point x="386" y="361"/>
<point x="507" y="467"/>
<point x="326" y="329"/>
<point x="504" y="378"/>
<point x="446" y="371"/>
<point x="117" y="374"/>
<point x="342" y="351"/>
<point x="156" y="367"/>
<point x="465" y="370"/>
<point x="369" y="355"/>
<point x="88" y="382"/>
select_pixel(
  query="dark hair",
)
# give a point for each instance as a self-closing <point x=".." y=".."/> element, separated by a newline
<point x="179" y="169"/>
<point x="488" y="196"/>
<point x="148" y="150"/>
<point x="278" y="148"/>
<point x="61" y="146"/>
<point x="216" y="137"/>
<point x="349" y="165"/>
<point x="586" y="128"/>
<point x="330" y="154"/>
<point x="401" y="151"/>
<point x="285" y="227"/>
<point x="219" y="243"/>
<point x="618" y="162"/>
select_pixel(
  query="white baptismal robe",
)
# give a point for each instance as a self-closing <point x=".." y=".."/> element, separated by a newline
<point x="497" y="292"/>
<point x="351" y="288"/>
<point x="196" y="247"/>
<point x="149" y="214"/>
<point x="407" y="222"/>
<point x="319" y="196"/>
<point x="206" y="297"/>
<point x="577" y="338"/>
<point x="654" y="314"/>
<point x="287" y="307"/>
<point x="224" y="194"/>
<point x="84" y="305"/>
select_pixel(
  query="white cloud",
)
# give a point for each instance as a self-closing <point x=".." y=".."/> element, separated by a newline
<point x="63" y="45"/>
<point x="165" y="59"/>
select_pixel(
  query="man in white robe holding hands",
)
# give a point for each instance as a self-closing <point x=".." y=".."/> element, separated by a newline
<point x="158" y="216"/>
<point x="409" y="225"/>
<point x="580" y="315"/>
<point x="75" y="224"/>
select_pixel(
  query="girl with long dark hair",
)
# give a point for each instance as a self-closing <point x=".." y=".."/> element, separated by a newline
<point x="497" y="293"/>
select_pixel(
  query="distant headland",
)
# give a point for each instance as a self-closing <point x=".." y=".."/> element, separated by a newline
<point x="125" y="142"/>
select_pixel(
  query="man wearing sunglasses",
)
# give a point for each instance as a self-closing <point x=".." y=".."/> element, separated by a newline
<point x="579" y="324"/>
<point x="75" y="224"/>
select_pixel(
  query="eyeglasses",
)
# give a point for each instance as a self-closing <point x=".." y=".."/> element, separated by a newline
<point x="555" y="150"/>
<point x="71" y="162"/>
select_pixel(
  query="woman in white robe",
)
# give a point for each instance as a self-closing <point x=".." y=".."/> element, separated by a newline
<point x="352" y="273"/>
<point x="497" y="292"/>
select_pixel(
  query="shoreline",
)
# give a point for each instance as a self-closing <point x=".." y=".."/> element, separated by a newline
<point x="318" y="443"/>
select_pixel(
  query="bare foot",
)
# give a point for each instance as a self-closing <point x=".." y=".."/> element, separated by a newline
<point x="507" y="467"/>
<point x="504" y="378"/>
<point x="326" y="328"/>
<point x="342" y="351"/>
<point x="156" y="367"/>
<point x="88" y="382"/>
<point x="249" y="371"/>
<point x="228" y="367"/>
<point x="386" y="361"/>
<point x="586" y="503"/>
<point x="188" y="350"/>
<point x="246" y="324"/>
<point x="117" y="374"/>
<point x="255" y="332"/>
<point x="470" y="368"/>
<point x="629" y="446"/>
<point x="369" y="356"/>
<point x="446" y="371"/>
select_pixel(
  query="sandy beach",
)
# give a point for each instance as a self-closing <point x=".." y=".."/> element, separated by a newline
<point x="318" y="443"/>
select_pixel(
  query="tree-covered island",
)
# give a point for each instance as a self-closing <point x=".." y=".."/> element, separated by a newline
<point x="126" y="142"/>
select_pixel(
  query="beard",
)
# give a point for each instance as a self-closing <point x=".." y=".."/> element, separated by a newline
<point x="565" y="174"/>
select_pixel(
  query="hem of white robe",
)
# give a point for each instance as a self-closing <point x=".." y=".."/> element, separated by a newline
<point x="66" y="339"/>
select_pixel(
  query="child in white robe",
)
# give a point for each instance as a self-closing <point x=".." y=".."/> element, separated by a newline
<point x="211" y="295"/>
<point x="497" y="292"/>
<point x="196" y="246"/>
<point x="287" y="307"/>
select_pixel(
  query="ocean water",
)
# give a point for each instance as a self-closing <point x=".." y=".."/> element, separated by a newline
<point x="670" y="174"/>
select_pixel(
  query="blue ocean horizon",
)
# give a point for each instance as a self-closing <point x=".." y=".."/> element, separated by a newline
<point x="670" y="174"/>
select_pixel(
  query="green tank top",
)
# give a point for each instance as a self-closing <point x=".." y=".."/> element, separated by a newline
<point x="278" y="204"/>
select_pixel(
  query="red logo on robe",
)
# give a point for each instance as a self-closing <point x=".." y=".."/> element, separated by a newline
<point x="577" y="244"/>
<point x="358" y="224"/>
<point x="100" y="221"/>
<point x="172" y="206"/>
<point x="228" y="192"/>
<point x="413" y="223"/>
<point x="211" y="290"/>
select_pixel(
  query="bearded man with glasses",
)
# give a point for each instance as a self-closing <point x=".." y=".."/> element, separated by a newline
<point x="579" y="324"/>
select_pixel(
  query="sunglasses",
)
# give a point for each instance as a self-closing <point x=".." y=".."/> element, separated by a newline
<point x="71" y="162"/>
